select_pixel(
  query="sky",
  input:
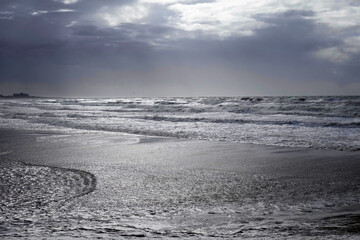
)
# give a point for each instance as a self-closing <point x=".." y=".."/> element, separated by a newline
<point x="179" y="47"/>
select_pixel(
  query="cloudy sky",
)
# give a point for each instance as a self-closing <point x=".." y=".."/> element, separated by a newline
<point x="179" y="47"/>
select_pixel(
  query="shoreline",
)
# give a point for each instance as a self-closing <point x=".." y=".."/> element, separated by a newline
<point x="149" y="138"/>
<point x="155" y="186"/>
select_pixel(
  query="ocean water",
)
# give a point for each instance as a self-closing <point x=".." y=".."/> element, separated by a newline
<point x="331" y="122"/>
<point x="151" y="198"/>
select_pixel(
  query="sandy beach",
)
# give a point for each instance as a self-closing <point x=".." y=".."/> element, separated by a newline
<point x="100" y="185"/>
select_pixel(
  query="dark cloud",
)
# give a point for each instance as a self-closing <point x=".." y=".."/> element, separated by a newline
<point x="283" y="50"/>
<point x="64" y="49"/>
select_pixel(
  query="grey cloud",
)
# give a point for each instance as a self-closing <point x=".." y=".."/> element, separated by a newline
<point x="283" y="50"/>
<point x="130" y="57"/>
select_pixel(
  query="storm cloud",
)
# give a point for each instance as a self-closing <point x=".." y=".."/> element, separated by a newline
<point x="179" y="47"/>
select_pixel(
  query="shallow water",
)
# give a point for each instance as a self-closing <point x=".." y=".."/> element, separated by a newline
<point x="174" y="189"/>
<point x="31" y="195"/>
<point x="39" y="201"/>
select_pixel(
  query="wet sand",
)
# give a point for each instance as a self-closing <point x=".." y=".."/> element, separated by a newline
<point x="170" y="188"/>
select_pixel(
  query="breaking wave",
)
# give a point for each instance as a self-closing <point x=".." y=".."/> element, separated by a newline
<point x="331" y="122"/>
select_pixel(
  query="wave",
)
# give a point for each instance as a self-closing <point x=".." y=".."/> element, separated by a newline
<point x="284" y="135"/>
<point x="319" y="122"/>
<point x="251" y="121"/>
<point x="308" y="106"/>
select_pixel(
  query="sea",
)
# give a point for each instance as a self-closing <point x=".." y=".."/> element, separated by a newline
<point x="138" y="197"/>
<point x="320" y="122"/>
